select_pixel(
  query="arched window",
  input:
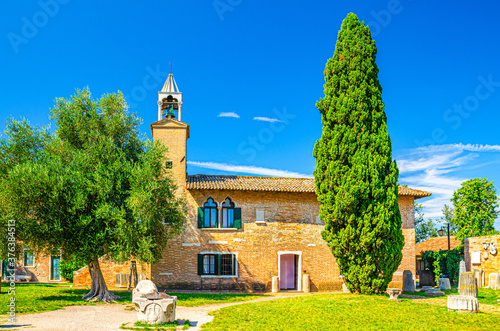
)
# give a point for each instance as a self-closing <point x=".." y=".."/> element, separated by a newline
<point x="210" y="214"/>
<point x="227" y="214"/>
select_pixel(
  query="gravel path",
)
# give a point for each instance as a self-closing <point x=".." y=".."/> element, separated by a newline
<point x="110" y="317"/>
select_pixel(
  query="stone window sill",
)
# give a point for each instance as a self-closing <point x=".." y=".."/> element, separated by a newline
<point x="219" y="229"/>
<point x="215" y="276"/>
<point x="260" y="222"/>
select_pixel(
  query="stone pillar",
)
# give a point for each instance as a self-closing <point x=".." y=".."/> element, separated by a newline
<point x="306" y="284"/>
<point x="479" y="274"/>
<point x="468" y="284"/>
<point x="276" y="284"/>
<point x="494" y="281"/>
<point x="462" y="268"/>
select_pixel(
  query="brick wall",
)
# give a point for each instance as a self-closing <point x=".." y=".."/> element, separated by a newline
<point x="174" y="134"/>
<point x="489" y="263"/>
<point x="290" y="226"/>
<point x="109" y="270"/>
<point x="40" y="271"/>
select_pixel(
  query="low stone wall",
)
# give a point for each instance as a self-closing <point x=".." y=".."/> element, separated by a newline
<point x="488" y="262"/>
<point x="109" y="270"/>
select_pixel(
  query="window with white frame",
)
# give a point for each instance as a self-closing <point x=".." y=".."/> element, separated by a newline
<point x="217" y="264"/>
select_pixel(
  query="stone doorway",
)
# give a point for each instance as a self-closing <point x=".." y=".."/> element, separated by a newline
<point x="289" y="271"/>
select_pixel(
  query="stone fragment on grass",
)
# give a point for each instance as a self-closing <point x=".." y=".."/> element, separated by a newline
<point x="393" y="293"/>
<point x="462" y="303"/>
<point x="153" y="307"/>
<point x="444" y="284"/>
<point x="494" y="281"/>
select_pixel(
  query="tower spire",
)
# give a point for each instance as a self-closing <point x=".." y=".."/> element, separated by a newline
<point x="169" y="98"/>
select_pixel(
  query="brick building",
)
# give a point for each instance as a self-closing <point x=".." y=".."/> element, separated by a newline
<point x="243" y="230"/>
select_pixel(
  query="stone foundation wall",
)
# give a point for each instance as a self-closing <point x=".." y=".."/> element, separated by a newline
<point x="109" y="270"/>
<point x="489" y="263"/>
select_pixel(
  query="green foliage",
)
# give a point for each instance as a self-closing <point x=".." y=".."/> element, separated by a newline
<point x="356" y="178"/>
<point x="66" y="268"/>
<point x="448" y="216"/>
<point x="476" y="206"/>
<point x="93" y="188"/>
<point x="423" y="229"/>
<point x="445" y="262"/>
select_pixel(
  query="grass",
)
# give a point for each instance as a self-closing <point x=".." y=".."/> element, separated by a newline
<point x="345" y="311"/>
<point x="485" y="295"/>
<point x="36" y="298"/>
<point x="155" y="327"/>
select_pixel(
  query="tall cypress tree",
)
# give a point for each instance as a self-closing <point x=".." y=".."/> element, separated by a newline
<point x="356" y="178"/>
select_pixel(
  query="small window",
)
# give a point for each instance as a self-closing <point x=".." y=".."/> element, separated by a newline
<point x="259" y="215"/>
<point x="168" y="164"/>
<point x="29" y="258"/>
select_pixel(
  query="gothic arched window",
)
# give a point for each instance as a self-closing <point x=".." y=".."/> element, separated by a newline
<point x="227" y="214"/>
<point x="210" y="214"/>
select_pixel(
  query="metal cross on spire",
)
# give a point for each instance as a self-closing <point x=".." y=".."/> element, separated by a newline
<point x="171" y="64"/>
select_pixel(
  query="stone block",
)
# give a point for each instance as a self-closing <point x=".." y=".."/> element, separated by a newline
<point x="306" y="284"/>
<point x="463" y="303"/>
<point x="345" y="289"/>
<point x="276" y="284"/>
<point x="494" y="281"/>
<point x="444" y="284"/>
<point x="408" y="281"/>
<point x="479" y="275"/>
<point x="434" y="292"/>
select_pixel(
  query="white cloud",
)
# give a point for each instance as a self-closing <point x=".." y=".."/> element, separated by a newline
<point x="267" y="119"/>
<point x="433" y="169"/>
<point x="458" y="147"/>
<point x="228" y="114"/>
<point x="248" y="169"/>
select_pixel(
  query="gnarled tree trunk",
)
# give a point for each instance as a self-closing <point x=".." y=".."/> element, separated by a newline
<point x="99" y="290"/>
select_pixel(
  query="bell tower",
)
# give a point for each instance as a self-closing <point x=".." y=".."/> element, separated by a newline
<point x="169" y="99"/>
<point x="172" y="132"/>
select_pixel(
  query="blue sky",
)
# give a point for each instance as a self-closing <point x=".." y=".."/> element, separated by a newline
<point x="251" y="72"/>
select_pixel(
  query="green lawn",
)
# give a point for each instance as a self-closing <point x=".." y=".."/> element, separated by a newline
<point x="33" y="298"/>
<point x="484" y="296"/>
<point x="346" y="312"/>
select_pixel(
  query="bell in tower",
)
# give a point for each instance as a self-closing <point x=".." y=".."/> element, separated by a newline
<point x="169" y="100"/>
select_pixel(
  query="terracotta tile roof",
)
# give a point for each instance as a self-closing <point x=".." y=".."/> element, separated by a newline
<point x="272" y="184"/>
<point x="435" y="244"/>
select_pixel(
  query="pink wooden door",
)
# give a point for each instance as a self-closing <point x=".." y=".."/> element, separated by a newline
<point x="287" y="271"/>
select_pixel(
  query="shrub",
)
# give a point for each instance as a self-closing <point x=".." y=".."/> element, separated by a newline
<point x="67" y="267"/>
